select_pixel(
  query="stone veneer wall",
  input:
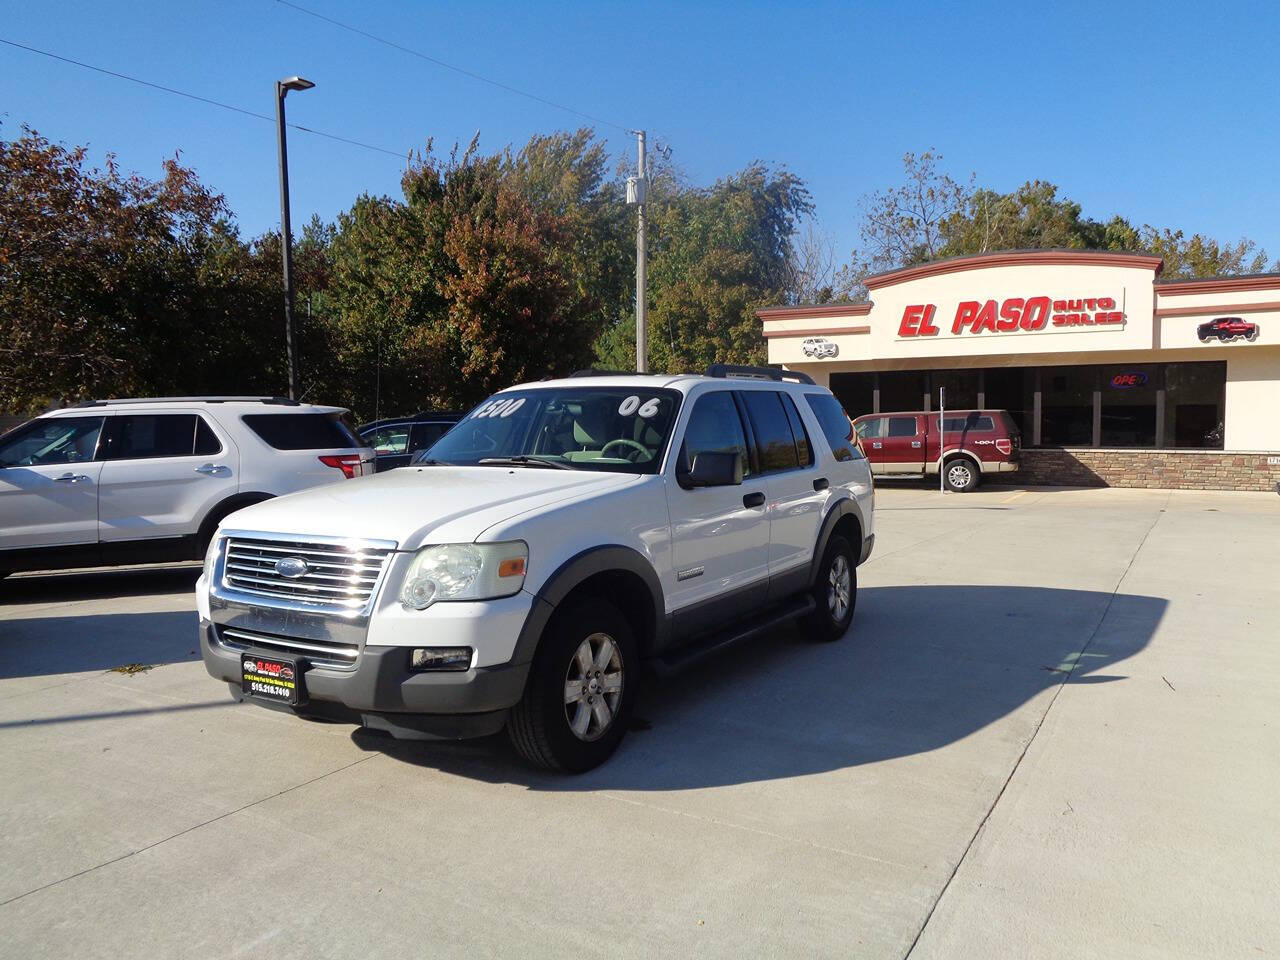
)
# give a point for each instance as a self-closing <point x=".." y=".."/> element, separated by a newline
<point x="1166" y="469"/>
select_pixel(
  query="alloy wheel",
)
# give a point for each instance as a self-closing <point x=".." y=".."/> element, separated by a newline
<point x="593" y="687"/>
<point x="839" y="588"/>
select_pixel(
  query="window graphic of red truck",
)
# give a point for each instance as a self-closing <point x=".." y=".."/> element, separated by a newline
<point x="1226" y="329"/>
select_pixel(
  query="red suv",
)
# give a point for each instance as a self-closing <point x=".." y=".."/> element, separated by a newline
<point x="974" y="442"/>
<point x="1227" y="328"/>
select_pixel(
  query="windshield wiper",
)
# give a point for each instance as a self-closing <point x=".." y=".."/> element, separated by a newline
<point x="523" y="461"/>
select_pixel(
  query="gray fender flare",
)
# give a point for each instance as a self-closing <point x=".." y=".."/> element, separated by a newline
<point x="572" y="573"/>
<point x="844" y="507"/>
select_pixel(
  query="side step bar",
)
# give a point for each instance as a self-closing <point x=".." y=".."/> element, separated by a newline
<point x="678" y="660"/>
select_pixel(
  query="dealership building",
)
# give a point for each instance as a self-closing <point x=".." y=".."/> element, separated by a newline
<point x="1114" y="376"/>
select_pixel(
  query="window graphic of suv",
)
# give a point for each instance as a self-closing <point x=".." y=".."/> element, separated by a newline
<point x="1226" y="329"/>
<point x="820" y="348"/>
<point x="561" y="538"/>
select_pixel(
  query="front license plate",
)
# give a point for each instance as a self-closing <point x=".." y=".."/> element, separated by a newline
<point x="270" y="679"/>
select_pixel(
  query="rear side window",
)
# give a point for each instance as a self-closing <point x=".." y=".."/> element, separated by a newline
<point x="138" y="436"/>
<point x="303" y="431"/>
<point x="973" y="423"/>
<point x="775" y="443"/>
<point x="804" y="449"/>
<point x="715" y="427"/>
<point x="425" y="434"/>
<point x="835" y="425"/>
<point x="902" y="427"/>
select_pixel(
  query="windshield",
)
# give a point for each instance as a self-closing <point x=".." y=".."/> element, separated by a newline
<point x="621" y="429"/>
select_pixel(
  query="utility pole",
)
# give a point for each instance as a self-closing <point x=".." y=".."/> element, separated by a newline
<point x="636" y="190"/>
<point x="286" y="233"/>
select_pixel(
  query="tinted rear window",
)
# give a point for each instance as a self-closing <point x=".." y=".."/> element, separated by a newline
<point x="775" y="443"/>
<point x="303" y="431"/>
<point x="974" y="423"/>
<point x="143" y="436"/>
<point x="835" y="424"/>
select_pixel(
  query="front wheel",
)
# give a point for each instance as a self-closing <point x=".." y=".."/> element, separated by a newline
<point x="835" y="593"/>
<point x="960" y="475"/>
<point x="582" y="685"/>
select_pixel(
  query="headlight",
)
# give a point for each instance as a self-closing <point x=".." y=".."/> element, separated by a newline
<point x="210" y="556"/>
<point x="464" y="571"/>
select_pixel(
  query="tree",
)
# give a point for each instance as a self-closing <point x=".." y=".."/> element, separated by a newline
<point x="715" y="255"/>
<point x="119" y="285"/>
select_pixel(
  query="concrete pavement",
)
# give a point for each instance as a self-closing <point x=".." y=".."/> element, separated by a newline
<point x="1051" y="732"/>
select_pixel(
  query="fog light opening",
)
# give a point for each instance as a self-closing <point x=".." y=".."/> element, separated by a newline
<point x="440" y="658"/>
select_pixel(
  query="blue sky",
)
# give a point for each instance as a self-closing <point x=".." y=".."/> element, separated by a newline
<point x="1166" y="113"/>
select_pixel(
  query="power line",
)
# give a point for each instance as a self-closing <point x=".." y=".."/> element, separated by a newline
<point x="449" y="66"/>
<point x="200" y="99"/>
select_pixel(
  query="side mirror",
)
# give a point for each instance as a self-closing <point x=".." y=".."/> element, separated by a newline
<point x="714" y="470"/>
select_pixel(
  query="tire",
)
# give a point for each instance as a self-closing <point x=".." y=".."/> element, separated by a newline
<point x="960" y="474"/>
<point x="832" y="615"/>
<point x="1252" y="335"/>
<point x="549" y="730"/>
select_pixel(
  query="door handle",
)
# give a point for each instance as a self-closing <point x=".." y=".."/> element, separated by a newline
<point x="71" y="478"/>
<point x="753" y="499"/>
<point x="875" y="444"/>
<point x="916" y="444"/>
<point x="211" y="469"/>
<point x="821" y="483"/>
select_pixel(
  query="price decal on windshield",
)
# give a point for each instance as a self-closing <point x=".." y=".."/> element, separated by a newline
<point x="634" y="405"/>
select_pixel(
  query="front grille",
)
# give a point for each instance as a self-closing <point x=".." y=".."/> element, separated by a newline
<point x="316" y="651"/>
<point x="342" y="575"/>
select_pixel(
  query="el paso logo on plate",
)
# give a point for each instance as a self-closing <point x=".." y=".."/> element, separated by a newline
<point x="1014" y="315"/>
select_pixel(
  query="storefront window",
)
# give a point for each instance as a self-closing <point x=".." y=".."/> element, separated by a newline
<point x="961" y="386"/>
<point x="1012" y="389"/>
<point x="1066" y="418"/>
<point x="902" y="390"/>
<point x="1129" y="404"/>
<point x="1193" y="413"/>
<point x="855" y="391"/>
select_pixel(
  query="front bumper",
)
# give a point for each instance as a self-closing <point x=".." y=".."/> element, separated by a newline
<point x="381" y="692"/>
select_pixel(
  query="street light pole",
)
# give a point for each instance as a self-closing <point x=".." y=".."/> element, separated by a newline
<point x="636" y="191"/>
<point x="286" y="233"/>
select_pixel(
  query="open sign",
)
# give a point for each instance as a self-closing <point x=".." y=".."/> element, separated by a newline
<point x="1122" y="381"/>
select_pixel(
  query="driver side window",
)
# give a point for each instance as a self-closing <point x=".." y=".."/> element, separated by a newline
<point x="55" y="440"/>
<point x="714" y="427"/>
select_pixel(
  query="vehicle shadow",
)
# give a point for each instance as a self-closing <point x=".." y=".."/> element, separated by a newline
<point x="98" y="584"/>
<point x="41" y="646"/>
<point x="921" y="668"/>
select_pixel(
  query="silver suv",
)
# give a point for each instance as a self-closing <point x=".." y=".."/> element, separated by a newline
<point x="133" y="481"/>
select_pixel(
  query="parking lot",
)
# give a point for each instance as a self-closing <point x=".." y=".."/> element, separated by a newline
<point x="1052" y="731"/>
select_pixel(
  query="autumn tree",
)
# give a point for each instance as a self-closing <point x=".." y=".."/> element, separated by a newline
<point x="116" y="285"/>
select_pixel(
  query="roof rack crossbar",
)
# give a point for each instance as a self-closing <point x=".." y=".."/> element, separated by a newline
<point x="279" y="401"/>
<point x="776" y="374"/>
<point x="593" y="372"/>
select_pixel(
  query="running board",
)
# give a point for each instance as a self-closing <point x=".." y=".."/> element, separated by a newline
<point x="689" y="654"/>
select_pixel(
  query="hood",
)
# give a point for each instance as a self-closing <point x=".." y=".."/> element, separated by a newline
<point x="417" y="505"/>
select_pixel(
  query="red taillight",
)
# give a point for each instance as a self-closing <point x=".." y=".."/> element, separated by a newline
<point x="348" y="463"/>
<point x="1004" y="446"/>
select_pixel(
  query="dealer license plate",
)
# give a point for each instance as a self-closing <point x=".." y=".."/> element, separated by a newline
<point x="270" y="678"/>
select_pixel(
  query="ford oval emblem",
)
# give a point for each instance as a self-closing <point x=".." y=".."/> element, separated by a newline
<point x="292" y="567"/>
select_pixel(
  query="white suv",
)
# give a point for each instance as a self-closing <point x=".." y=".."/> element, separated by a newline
<point x="132" y="481"/>
<point x="562" y="533"/>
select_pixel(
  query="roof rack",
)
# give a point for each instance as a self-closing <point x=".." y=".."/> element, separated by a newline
<point x="278" y="401"/>
<point x="593" y="372"/>
<point x="777" y="374"/>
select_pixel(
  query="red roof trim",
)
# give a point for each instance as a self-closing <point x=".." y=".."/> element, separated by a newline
<point x="814" y="311"/>
<point x="983" y="261"/>
<point x="1218" y="285"/>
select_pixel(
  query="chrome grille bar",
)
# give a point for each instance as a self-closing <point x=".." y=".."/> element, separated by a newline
<point x="335" y="574"/>
<point x="314" y="650"/>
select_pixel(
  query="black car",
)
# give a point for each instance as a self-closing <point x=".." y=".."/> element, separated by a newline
<point x="396" y="439"/>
